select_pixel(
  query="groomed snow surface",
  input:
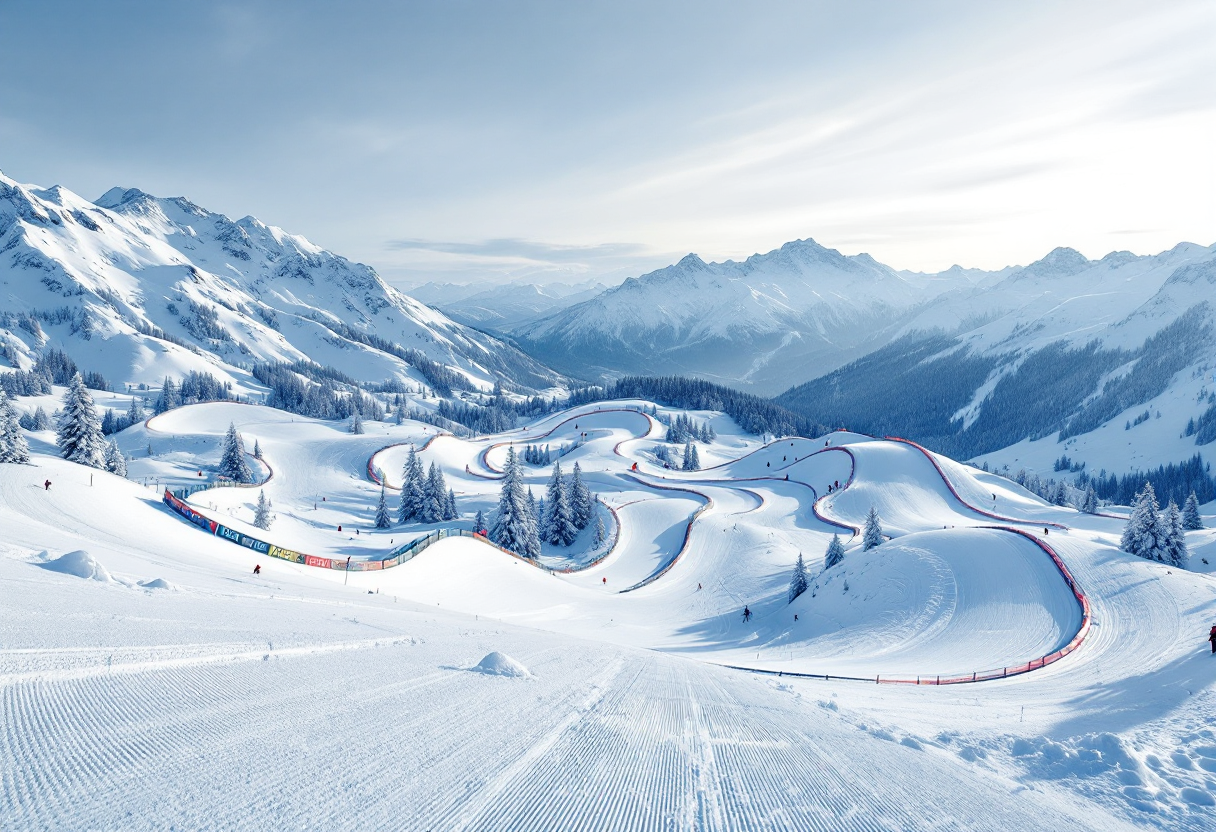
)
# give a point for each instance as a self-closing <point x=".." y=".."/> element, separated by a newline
<point x="150" y="680"/>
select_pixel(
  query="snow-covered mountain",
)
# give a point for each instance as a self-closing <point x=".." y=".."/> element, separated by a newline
<point x="138" y="287"/>
<point x="788" y="315"/>
<point x="1066" y="350"/>
<point x="505" y="307"/>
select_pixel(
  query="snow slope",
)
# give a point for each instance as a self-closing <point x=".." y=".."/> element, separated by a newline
<point x="225" y="700"/>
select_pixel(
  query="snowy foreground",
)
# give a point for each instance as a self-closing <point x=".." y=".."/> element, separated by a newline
<point x="149" y="680"/>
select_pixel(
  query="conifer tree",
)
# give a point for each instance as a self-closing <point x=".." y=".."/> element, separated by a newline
<point x="600" y="534"/>
<point x="257" y="449"/>
<point x="558" y="522"/>
<point x="515" y="526"/>
<point x="434" y="496"/>
<point x="479" y="523"/>
<point x="411" y="489"/>
<point x="356" y="423"/>
<point x="261" y="515"/>
<point x="1174" y="553"/>
<point x="135" y="413"/>
<point x="13" y="447"/>
<point x="1144" y="535"/>
<point x="80" y="438"/>
<point x="449" y="508"/>
<point x="835" y="553"/>
<point x="233" y="464"/>
<point x="1191" y="521"/>
<point x="692" y="461"/>
<point x="582" y="504"/>
<point x="116" y="463"/>
<point x="169" y="396"/>
<point x="798" y="582"/>
<point x="384" y="520"/>
<point x="873" y="532"/>
<point x="1089" y="503"/>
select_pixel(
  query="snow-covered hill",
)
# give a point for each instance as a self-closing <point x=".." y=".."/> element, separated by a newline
<point x="627" y="693"/>
<point x="788" y="315"/>
<point x="138" y="287"/>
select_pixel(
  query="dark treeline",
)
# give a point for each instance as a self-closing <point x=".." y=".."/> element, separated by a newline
<point x="312" y="390"/>
<point x="441" y="379"/>
<point x="752" y="413"/>
<point x="1171" y="482"/>
<point x="920" y="387"/>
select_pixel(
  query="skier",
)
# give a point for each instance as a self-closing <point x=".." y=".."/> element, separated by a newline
<point x="1045" y="530"/>
<point x="257" y="569"/>
<point x="46" y="486"/>
<point x="747" y="615"/>
<point x="1212" y="638"/>
<point x="606" y="584"/>
<point x="699" y="589"/>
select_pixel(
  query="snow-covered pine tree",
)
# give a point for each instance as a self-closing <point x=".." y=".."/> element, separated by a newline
<point x="434" y="495"/>
<point x="261" y="514"/>
<point x="798" y="582"/>
<point x="835" y="553"/>
<point x="1175" y="553"/>
<point x="1060" y="496"/>
<point x="1144" y="535"/>
<point x="479" y="523"/>
<point x="80" y="439"/>
<point x="600" y="534"/>
<point x="356" y="423"/>
<point x="38" y="420"/>
<point x="13" y="447"/>
<point x="135" y="413"/>
<point x="514" y="527"/>
<point x="449" y="507"/>
<point x="399" y="416"/>
<point x="169" y="396"/>
<point x="873" y="532"/>
<point x="383" y="519"/>
<point x="257" y="449"/>
<point x="558" y="521"/>
<point x="582" y="504"/>
<point x="692" y="460"/>
<point x="412" y="481"/>
<point x="233" y="464"/>
<point x="1089" y="503"/>
<point x="1191" y="521"/>
<point x="116" y="463"/>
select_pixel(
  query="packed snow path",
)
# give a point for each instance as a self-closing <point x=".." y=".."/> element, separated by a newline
<point x="111" y="693"/>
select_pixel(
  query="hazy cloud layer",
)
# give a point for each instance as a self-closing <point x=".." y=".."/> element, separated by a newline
<point x="433" y="140"/>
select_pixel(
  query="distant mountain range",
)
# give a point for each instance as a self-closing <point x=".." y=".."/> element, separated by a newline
<point x="138" y="287"/>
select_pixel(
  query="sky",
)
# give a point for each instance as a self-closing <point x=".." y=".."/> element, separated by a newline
<point x="493" y="141"/>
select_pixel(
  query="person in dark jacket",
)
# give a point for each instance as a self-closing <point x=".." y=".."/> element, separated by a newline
<point x="747" y="614"/>
<point x="1212" y="638"/>
<point x="257" y="569"/>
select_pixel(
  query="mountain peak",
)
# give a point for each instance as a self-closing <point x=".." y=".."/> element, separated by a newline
<point x="1059" y="262"/>
<point x="120" y="196"/>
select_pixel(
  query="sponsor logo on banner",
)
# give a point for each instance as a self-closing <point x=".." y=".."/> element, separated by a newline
<point x="229" y="534"/>
<point x="285" y="554"/>
<point x="313" y="560"/>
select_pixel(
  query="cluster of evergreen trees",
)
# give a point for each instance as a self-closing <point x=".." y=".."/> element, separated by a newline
<point x="194" y="388"/>
<point x="521" y="523"/>
<point x="752" y="413"/>
<point x="684" y="429"/>
<point x="319" y="392"/>
<point x="871" y="536"/>
<point x="1154" y="534"/>
<point x="692" y="460"/>
<point x="52" y="367"/>
<point x="425" y="498"/>
<point x="79" y="433"/>
<point x="1171" y="482"/>
<point x="536" y="455"/>
<point x="567" y="508"/>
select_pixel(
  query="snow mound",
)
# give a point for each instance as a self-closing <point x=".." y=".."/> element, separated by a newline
<point x="157" y="583"/>
<point x="81" y="564"/>
<point x="499" y="664"/>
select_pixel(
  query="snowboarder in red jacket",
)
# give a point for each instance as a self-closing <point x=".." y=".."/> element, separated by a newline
<point x="1212" y="638"/>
